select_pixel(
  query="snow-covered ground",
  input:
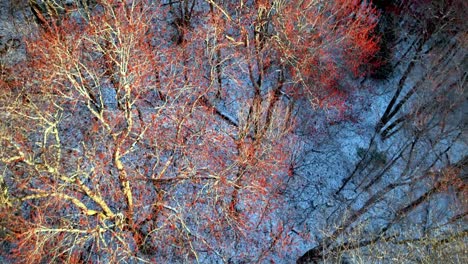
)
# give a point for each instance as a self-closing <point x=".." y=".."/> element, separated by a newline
<point x="330" y="147"/>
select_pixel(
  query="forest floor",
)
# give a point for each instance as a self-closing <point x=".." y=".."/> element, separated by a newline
<point x="329" y="143"/>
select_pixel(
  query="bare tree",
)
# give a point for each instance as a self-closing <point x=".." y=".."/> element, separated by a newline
<point x="405" y="198"/>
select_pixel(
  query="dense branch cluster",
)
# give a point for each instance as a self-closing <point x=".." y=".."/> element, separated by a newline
<point x="165" y="131"/>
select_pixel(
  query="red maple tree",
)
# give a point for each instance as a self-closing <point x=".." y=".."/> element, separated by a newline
<point x="155" y="132"/>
